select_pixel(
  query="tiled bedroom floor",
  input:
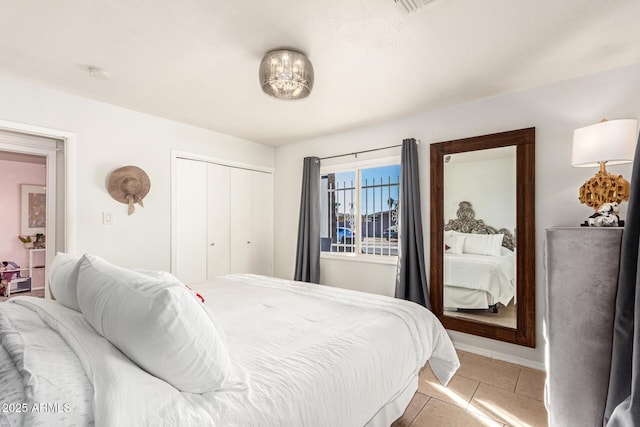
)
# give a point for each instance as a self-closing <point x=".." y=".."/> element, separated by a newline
<point x="484" y="392"/>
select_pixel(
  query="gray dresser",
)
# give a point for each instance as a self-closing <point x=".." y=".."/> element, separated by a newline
<point x="582" y="266"/>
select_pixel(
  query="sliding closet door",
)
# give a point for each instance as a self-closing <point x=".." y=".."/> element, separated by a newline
<point x="191" y="220"/>
<point x="241" y="223"/>
<point x="218" y="218"/>
<point x="223" y="221"/>
<point x="262" y="213"/>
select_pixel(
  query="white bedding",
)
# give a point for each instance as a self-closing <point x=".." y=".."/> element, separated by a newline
<point x="318" y="355"/>
<point x="302" y="355"/>
<point x="494" y="275"/>
<point x="41" y="380"/>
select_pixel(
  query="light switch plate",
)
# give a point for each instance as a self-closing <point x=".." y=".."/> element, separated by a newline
<point x="107" y="218"/>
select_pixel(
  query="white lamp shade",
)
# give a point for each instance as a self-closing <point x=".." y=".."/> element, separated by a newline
<point x="611" y="141"/>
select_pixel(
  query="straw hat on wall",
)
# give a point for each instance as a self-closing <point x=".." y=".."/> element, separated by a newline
<point x="129" y="185"/>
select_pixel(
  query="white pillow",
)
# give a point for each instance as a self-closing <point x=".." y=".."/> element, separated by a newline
<point x="447" y="237"/>
<point x="506" y="252"/>
<point x="483" y="244"/>
<point x="455" y="241"/>
<point x="63" y="279"/>
<point x="157" y="323"/>
<point x="168" y="277"/>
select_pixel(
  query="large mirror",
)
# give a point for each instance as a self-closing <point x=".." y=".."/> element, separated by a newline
<point x="482" y="235"/>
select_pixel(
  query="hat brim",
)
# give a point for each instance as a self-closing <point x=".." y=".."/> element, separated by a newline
<point x="123" y="177"/>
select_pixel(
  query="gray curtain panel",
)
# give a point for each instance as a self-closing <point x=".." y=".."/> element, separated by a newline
<point x="623" y="399"/>
<point x="308" y="250"/>
<point x="411" y="278"/>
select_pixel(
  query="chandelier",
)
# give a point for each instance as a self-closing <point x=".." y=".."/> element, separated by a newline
<point x="286" y="74"/>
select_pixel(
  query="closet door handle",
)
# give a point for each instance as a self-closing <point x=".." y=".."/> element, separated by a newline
<point x="213" y="244"/>
<point x="248" y="242"/>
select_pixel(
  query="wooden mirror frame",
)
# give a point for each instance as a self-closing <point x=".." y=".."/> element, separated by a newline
<point x="524" y="141"/>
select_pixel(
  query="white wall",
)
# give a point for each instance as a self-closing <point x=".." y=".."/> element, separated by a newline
<point x="490" y="187"/>
<point x="109" y="137"/>
<point x="555" y="111"/>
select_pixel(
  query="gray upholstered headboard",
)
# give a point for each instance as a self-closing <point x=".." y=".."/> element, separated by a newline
<point x="466" y="223"/>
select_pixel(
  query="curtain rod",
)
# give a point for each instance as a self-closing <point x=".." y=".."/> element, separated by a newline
<point x="355" y="153"/>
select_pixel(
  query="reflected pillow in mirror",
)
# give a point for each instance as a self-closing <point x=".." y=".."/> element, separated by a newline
<point x="483" y="244"/>
<point x="455" y="241"/>
<point x="506" y="252"/>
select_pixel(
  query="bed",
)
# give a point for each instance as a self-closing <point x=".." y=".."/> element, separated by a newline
<point x="479" y="263"/>
<point x="278" y="352"/>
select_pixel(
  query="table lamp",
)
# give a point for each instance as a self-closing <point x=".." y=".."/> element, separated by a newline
<point x="611" y="142"/>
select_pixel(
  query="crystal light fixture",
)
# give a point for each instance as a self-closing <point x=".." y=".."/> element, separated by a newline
<point x="286" y="74"/>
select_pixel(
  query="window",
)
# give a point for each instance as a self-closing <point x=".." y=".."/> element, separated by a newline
<point x="360" y="211"/>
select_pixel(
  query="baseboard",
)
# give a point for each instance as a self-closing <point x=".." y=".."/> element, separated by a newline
<point x="500" y="356"/>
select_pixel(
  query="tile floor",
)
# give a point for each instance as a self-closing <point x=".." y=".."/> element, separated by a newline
<point x="484" y="392"/>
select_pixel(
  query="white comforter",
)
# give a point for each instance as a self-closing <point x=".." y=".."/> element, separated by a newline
<point x="492" y="274"/>
<point x="302" y="354"/>
<point x="41" y="380"/>
<point x="318" y="355"/>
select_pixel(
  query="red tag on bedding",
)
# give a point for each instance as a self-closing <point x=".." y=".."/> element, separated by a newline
<point x="195" y="293"/>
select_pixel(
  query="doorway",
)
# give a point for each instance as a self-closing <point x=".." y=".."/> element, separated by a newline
<point x="22" y="224"/>
<point x="47" y="208"/>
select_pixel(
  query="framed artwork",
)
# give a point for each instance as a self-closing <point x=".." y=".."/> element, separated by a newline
<point x="34" y="209"/>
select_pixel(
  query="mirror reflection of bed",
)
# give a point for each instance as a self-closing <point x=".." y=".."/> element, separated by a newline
<point x="479" y="270"/>
<point x="479" y="252"/>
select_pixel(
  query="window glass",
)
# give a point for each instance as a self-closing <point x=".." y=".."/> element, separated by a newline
<point x="360" y="211"/>
<point x="379" y="196"/>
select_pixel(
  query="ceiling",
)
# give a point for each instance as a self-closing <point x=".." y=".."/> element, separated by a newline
<point x="196" y="61"/>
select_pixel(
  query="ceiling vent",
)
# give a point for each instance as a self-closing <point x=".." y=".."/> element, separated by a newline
<point x="411" y="6"/>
